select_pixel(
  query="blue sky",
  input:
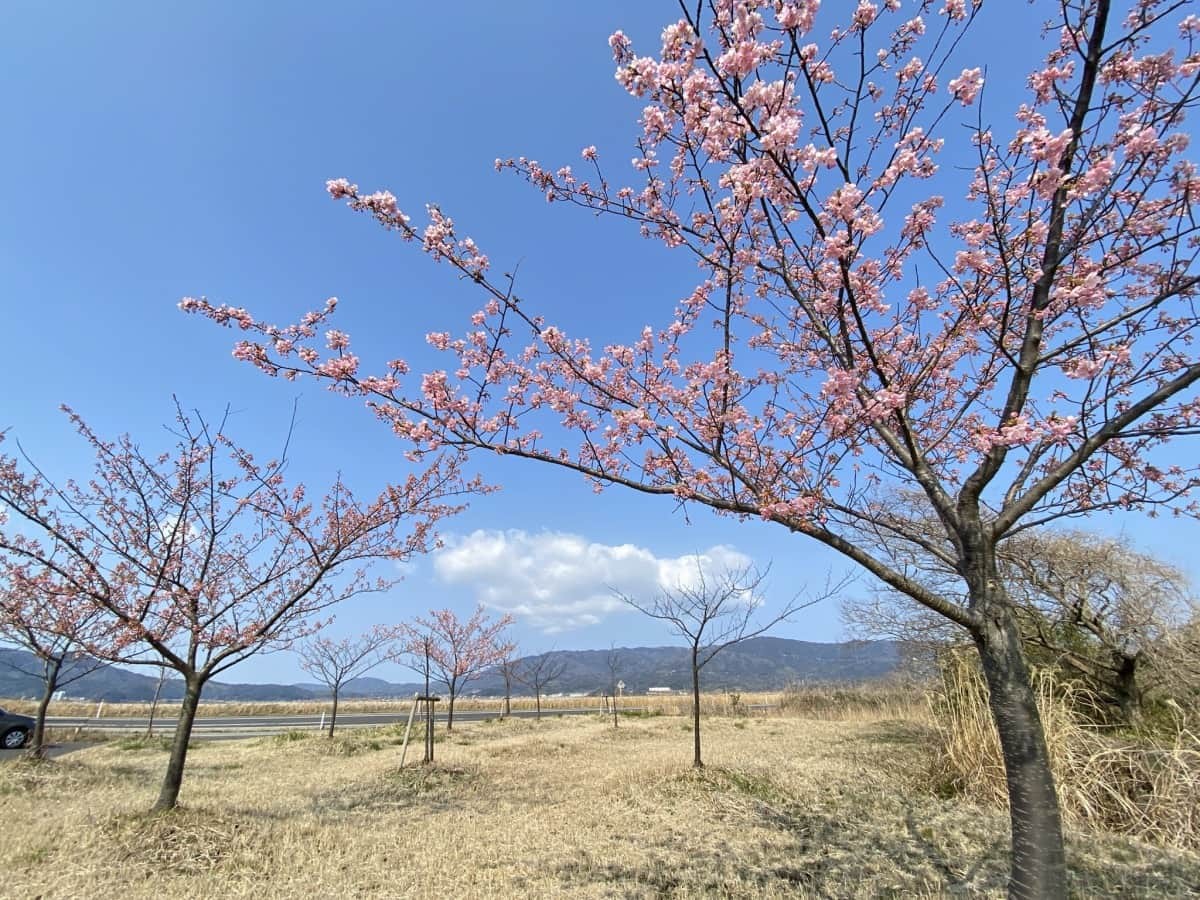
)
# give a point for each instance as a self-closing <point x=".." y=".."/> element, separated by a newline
<point x="156" y="150"/>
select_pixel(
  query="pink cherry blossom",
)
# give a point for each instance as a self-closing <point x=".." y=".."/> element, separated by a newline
<point x="199" y="557"/>
<point x="1009" y="339"/>
<point x="965" y="88"/>
<point x="456" y="651"/>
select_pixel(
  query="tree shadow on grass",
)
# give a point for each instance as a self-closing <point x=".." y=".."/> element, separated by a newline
<point x="960" y="873"/>
<point x="715" y="879"/>
<point x="817" y="853"/>
<point x="1110" y="866"/>
<point x="865" y="845"/>
<point x="52" y="777"/>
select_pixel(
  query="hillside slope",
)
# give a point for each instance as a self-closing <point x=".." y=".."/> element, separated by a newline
<point x="760" y="664"/>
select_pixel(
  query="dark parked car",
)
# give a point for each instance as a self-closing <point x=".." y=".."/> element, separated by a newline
<point x="14" y="730"/>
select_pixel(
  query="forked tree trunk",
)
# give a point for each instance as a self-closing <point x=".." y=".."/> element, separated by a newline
<point x="168" y="795"/>
<point x="38" y="745"/>
<point x="333" y="712"/>
<point x="1039" y="870"/>
<point x="697" y="763"/>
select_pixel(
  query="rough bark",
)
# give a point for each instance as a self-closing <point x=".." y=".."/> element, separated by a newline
<point x="1039" y="867"/>
<point x="333" y="712"/>
<point x="168" y="795"/>
<point x="37" y="746"/>
<point x="1128" y="694"/>
<point x="450" y="713"/>
<point x="1038" y="858"/>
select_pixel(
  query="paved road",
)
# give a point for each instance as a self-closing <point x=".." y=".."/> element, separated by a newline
<point x="213" y="727"/>
<point x="52" y="750"/>
<point x="224" y="727"/>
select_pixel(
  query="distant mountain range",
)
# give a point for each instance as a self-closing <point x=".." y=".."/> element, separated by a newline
<point x="116" y="684"/>
<point x="759" y="664"/>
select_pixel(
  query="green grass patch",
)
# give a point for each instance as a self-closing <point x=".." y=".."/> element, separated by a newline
<point x="291" y="737"/>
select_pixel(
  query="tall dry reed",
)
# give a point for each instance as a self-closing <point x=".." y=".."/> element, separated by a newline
<point x="852" y="701"/>
<point x="1142" y="785"/>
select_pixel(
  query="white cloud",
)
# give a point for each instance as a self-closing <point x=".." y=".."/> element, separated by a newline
<point x="557" y="581"/>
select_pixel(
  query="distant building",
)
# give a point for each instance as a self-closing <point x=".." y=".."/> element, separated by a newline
<point x="660" y="690"/>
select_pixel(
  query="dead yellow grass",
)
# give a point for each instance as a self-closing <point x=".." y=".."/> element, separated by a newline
<point x="1144" y="785"/>
<point x="788" y="806"/>
<point x="670" y="704"/>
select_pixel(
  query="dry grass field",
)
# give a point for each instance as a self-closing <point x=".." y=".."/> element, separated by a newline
<point x="668" y="704"/>
<point x="790" y="806"/>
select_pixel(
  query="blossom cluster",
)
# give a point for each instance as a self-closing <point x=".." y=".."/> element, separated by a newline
<point x="843" y="330"/>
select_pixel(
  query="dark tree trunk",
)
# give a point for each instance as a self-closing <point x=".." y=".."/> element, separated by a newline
<point x="696" y="761"/>
<point x="333" y="712"/>
<point x="37" y="747"/>
<point x="507" y="696"/>
<point x="450" y="713"/>
<point x="537" y="699"/>
<point x="1039" y="866"/>
<point x="1038" y="860"/>
<point x="1126" y="691"/>
<point x="168" y="795"/>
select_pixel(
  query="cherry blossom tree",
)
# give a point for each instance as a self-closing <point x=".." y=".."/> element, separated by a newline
<point x="335" y="662"/>
<point x="53" y="624"/>
<point x="899" y="288"/>
<point x="456" y="651"/>
<point x="202" y="557"/>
